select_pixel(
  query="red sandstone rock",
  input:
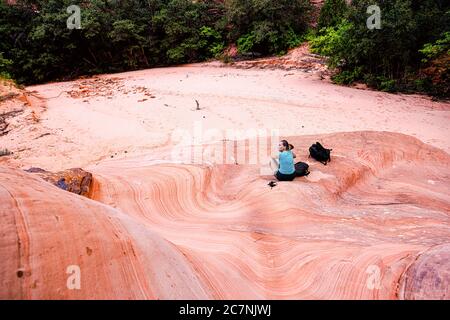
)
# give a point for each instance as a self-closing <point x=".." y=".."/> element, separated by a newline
<point x="429" y="276"/>
<point x="74" y="180"/>
<point x="372" y="224"/>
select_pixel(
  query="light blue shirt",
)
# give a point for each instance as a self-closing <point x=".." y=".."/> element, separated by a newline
<point x="286" y="162"/>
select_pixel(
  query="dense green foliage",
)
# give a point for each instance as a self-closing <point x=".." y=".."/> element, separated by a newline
<point x="434" y="50"/>
<point x="4" y="64"/>
<point x="119" y="35"/>
<point x="267" y="26"/>
<point x="332" y="13"/>
<point x="435" y="76"/>
<point x="390" y="58"/>
<point x="409" y="53"/>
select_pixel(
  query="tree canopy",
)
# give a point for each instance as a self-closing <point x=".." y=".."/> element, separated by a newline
<point x="118" y="35"/>
<point x="392" y="57"/>
<point x="409" y="53"/>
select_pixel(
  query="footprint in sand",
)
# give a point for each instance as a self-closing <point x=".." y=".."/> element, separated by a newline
<point x="316" y="176"/>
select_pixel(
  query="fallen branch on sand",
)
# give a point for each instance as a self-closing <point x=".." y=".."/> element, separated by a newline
<point x="8" y="96"/>
<point x="3" y="124"/>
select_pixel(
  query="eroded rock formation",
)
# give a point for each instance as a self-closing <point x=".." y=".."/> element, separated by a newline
<point x="428" y="277"/>
<point x="74" y="180"/>
<point x="373" y="224"/>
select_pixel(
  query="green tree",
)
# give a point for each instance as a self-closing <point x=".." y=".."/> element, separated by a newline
<point x="132" y="34"/>
<point x="390" y="58"/>
<point x="332" y="13"/>
<point x="4" y="67"/>
<point x="267" y="26"/>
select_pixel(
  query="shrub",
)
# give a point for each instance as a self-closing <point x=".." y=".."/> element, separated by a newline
<point x="266" y="26"/>
<point x="246" y="42"/>
<point x="347" y="77"/>
<point x="333" y="43"/>
<point x="387" y="85"/>
<point x="332" y="13"/>
<point x="4" y="67"/>
<point x="413" y="33"/>
<point x="433" y="50"/>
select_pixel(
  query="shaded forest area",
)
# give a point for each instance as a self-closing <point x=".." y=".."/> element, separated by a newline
<point x="410" y="52"/>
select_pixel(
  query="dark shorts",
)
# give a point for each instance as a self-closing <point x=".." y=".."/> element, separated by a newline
<point x="285" y="177"/>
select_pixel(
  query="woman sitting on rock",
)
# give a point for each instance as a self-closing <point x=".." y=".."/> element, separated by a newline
<point x="283" y="165"/>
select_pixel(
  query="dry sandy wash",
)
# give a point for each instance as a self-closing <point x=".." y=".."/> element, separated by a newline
<point x="373" y="224"/>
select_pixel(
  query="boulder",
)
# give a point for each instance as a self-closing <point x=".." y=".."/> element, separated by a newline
<point x="75" y="180"/>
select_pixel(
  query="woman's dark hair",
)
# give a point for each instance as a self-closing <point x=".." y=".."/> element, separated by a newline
<point x="287" y="145"/>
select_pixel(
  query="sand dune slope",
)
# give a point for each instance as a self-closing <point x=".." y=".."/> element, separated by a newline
<point x="373" y="224"/>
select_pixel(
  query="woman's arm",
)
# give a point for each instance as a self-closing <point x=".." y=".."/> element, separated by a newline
<point x="294" y="155"/>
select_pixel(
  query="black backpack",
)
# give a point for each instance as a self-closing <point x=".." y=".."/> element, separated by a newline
<point x="321" y="154"/>
<point x="301" y="169"/>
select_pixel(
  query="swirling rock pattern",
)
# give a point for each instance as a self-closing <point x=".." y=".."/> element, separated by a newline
<point x="367" y="226"/>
